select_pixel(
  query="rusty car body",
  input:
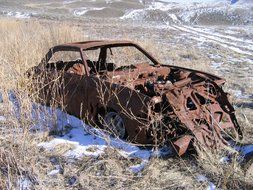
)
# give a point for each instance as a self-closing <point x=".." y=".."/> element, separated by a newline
<point x="142" y="102"/>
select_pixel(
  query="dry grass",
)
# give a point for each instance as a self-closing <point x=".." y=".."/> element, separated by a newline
<point x="23" y="44"/>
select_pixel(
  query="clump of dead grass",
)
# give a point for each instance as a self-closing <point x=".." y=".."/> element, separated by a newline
<point x="223" y="167"/>
<point x="23" y="44"/>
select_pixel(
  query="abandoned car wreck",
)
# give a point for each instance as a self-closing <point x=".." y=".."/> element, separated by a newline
<point x="120" y="87"/>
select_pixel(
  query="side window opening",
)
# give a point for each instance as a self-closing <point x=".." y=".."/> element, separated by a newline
<point x="92" y="59"/>
<point x="126" y="56"/>
<point x="68" y="61"/>
<point x="112" y="58"/>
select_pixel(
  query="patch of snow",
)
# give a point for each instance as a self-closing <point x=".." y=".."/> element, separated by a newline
<point x="19" y="14"/>
<point x="81" y="139"/>
<point x="248" y="60"/>
<point x="163" y="152"/>
<point x="2" y="119"/>
<point x="224" y="160"/>
<point x="193" y="1"/>
<point x="202" y="178"/>
<point x="54" y="172"/>
<point x="80" y="12"/>
<point x="1" y="98"/>
<point x="15" y="104"/>
<point x="245" y="149"/>
<point x="159" y="6"/>
<point x="110" y="1"/>
<point x="24" y="184"/>
<point x="58" y="169"/>
<point x="238" y="48"/>
<point x="84" y="10"/>
<point x="67" y="2"/>
<point x="221" y="36"/>
<point x="231" y="32"/>
<point x="85" y="140"/>
<point x="243" y="2"/>
<point x="187" y="16"/>
<point x="188" y="11"/>
<point x="174" y="18"/>
<point x="238" y="94"/>
<point x="216" y="65"/>
<point x="138" y="167"/>
<point x="136" y="14"/>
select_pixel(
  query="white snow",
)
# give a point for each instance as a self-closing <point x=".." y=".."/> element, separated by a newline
<point x="80" y="12"/>
<point x="159" y="6"/>
<point x="239" y="2"/>
<point x="244" y="150"/>
<point x="80" y="139"/>
<point x="136" y="14"/>
<point x="15" y="104"/>
<point x="54" y="172"/>
<point x="220" y="36"/>
<point x="139" y="167"/>
<point x="224" y="160"/>
<point x="84" y="140"/>
<point x="202" y="178"/>
<point x="2" y="119"/>
<point x="189" y="11"/>
<point x="84" y="10"/>
<point x="193" y="1"/>
<point x="24" y="183"/>
<point x="174" y="18"/>
<point x="57" y="170"/>
<point x="231" y="43"/>
<point x="18" y="14"/>
<point x="67" y="2"/>
<point x="216" y="65"/>
<point x="239" y="94"/>
<point x="111" y="1"/>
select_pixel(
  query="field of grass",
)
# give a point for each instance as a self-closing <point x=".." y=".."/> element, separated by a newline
<point x="23" y="163"/>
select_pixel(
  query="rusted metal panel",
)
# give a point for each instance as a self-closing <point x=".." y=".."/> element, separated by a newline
<point x="160" y="104"/>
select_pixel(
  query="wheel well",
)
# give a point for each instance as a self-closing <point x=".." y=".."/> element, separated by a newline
<point x="101" y="111"/>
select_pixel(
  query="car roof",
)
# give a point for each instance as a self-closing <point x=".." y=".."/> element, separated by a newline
<point x="94" y="44"/>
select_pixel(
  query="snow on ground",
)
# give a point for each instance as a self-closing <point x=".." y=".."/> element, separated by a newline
<point x="246" y="151"/>
<point x="190" y="12"/>
<point x="2" y="118"/>
<point x="202" y="178"/>
<point x="239" y="94"/>
<point x="18" y="14"/>
<point x="24" y="184"/>
<point x="85" y="140"/>
<point x="235" y="44"/>
<point x="84" y="10"/>
<point x="82" y="139"/>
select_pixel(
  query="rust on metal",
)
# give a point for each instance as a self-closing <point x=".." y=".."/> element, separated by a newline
<point x="158" y="104"/>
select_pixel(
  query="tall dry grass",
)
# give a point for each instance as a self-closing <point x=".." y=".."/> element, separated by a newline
<point x="23" y="45"/>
